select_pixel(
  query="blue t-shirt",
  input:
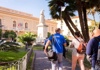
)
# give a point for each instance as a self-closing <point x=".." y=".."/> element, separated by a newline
<point x="92" y="49"/>
<point x="57" y="41"/>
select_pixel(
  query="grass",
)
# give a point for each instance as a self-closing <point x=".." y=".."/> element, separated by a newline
<point x="11" y="68"/>
<point x="11" y="56"/>
<point x="30" y="62"/>
<point x="38" y="47"/>
<point x="69" y="56"/>
<point x="86" y="63"/>
<point x="1" y="67"/>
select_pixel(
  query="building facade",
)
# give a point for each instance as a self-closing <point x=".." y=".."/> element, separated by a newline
<point x="75" y="19"/>
<point x="22" y="22"/>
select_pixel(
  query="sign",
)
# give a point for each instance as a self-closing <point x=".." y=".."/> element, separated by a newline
<point x="20" y="25"/>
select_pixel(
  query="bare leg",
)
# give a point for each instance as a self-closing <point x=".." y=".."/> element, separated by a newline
<point x="74" y="61"/>
<point x="53" y="64"/>
<point x="81" y="62"/>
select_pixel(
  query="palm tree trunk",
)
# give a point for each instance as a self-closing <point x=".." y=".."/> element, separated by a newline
<point x="71" y="22"/>
<point x="68" y="25"/>
<point x="80" y="12"/>
<point x="85" y="24"/>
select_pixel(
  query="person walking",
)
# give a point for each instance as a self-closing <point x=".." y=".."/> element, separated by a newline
<point x="45" y="41"/>
<point x="57" y="47"/>
<point x="75" y="55"/>
<point x="92" y="49"/>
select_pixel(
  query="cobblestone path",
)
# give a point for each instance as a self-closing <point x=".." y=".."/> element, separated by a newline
<point x="42" y="63"/>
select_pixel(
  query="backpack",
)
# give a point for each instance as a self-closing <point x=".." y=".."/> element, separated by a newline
<point x="98" y="56"/>
<point x="81" y="48"/>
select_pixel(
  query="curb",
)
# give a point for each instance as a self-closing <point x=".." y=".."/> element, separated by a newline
<point x="33" y="61"/>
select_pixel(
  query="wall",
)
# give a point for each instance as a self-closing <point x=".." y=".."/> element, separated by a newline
<point x="7" y="17"/>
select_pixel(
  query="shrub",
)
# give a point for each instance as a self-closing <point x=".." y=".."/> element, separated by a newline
<point x="9" y="46"/>
<point x="27" y="38"/>
<point x="10" y="34"/>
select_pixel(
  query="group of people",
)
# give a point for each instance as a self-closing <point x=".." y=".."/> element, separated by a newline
<point x="60" y="42"/>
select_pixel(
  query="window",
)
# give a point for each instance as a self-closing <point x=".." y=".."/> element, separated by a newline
<point x="0" y="22"/>
<point x="14" y="24"/>
<point x="26" y="25"/>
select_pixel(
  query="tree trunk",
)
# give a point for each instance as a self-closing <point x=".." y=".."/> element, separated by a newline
<point x="71" y="22"/>
<point x="85" y="24"/>
<point x="68" y="25"/>
<point x="80" y="12"/>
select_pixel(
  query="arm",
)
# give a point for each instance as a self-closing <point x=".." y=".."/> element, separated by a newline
<point x="89" y="47"/>
<point x="89" y="50"/>
<point x="72" y="44"/>
<point x="46" y="46"/>
<point x="65" y="45"/>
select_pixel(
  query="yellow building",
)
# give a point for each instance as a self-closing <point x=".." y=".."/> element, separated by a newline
<point x="22" y="22"/>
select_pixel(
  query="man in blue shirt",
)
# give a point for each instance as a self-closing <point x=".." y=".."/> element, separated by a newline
<point x="92" y="49"/>
<point x="57" y="41"/>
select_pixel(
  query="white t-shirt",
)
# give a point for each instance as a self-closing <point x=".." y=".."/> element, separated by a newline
<point x="76" y="43"/>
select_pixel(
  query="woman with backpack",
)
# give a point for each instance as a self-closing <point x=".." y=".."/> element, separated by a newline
<point x="76" y="56"/>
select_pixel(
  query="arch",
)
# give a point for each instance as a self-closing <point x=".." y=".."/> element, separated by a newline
<point x="0" y="22"/>
<point x="14" y="23"/>
<point x="26" y="25"/>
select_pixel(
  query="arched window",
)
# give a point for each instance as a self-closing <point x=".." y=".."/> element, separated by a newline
<point x="14" y="24"/>
<point x="26" y="25"/>
<point x="0" y="22"/>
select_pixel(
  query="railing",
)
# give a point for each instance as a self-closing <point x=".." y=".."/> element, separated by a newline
<point x="20" y="64"/>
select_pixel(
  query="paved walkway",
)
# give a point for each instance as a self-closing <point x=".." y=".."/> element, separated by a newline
<point x="42" y="63"/>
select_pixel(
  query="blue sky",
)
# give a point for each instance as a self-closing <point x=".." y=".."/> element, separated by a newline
<point x="32" y="6"/>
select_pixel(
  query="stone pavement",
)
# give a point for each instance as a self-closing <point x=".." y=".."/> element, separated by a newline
<point x="42" y="63"/>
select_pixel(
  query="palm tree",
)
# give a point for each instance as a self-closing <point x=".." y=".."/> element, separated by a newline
<point x="73" y="5"/>
<point x="55" y="11"/>
<point x="27" y="38"/>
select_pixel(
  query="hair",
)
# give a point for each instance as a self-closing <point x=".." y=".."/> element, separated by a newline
<point x="77" y="34"/>
<point x="57" y="30"/>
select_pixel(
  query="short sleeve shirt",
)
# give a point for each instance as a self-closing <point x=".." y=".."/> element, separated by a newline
<point x="58" y="42"/>
<point x="92" y="49"/>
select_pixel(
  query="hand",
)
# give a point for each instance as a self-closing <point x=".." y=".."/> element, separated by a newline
<point x="89" y="58"/>
<point x="45" y="51"/>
